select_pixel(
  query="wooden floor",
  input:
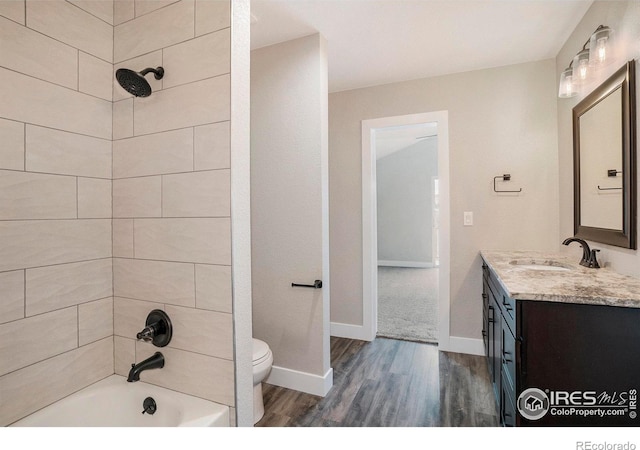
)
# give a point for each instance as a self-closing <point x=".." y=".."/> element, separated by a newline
<point x="390" y="383"/>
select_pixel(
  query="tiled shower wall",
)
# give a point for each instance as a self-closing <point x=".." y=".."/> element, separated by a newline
<point x="171" y="194"/>
<point x="104" y="195"/>
<point x="56" y="299"/>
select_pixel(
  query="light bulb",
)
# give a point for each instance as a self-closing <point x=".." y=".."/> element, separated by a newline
<point x="602" y="49"/>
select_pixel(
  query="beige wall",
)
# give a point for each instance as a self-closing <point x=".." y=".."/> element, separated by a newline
<point x="624" y="18"/>
<point x="501" y="120"/>
<point x="288" y="126"/>
<point x="171" y="195"/>
<point x="56" y="319"/>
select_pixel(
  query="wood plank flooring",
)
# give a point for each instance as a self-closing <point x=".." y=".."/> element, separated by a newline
<point x="390" y="383"/>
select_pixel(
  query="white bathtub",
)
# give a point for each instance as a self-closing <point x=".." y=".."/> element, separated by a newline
<point x="113" y="402"/>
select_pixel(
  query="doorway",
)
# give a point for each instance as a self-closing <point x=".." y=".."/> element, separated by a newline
<point x="406" y="174"/>
<point x="434" y="245"/>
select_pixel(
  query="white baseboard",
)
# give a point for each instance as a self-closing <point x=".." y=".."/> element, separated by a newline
<point x="301" y="381"/>
<point x="464" y="345"/>
<point x="418" y="264"/>
<point x="346" y="330"/>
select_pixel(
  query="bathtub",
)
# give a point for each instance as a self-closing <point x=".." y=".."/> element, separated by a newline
<point x="113" y="402"/>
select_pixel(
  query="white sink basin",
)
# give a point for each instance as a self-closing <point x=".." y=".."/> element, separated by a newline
<point x="549" y="266"/>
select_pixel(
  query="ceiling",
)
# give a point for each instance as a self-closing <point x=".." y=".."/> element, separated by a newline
<point x="373" y="42"/>
<point x="393" y="139"/>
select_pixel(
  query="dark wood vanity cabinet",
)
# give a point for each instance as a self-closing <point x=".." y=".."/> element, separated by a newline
<point x="583" y="360"/>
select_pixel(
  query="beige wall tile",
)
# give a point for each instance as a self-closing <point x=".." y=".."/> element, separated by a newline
<point x="27" y="390"/>
<point x="123" y="238"/>
<point x="73" y="26"/>
<point x="200" y="375"/>
<point x="55" y="151"/>
<point x="211" y="147"/>
<point x="197" y="194"/>
<point x="157" y="281"/>
<point x="192" y="104"/>
<point x="129" y="316"/>
<point x="197" y="59"/>
<point x="153" y="59"/>
<point x="213" y="288"/>
<point x="146" y="6"/>
<point x="206" y="241"/>
<point x="13" y="10"/>
<point x="12" y="138"/>
<point x="154" y="154"/>
<point x="95" y="320"/>
<point x="44" y="242"/>
<point x="94" y="198"/>
<point x="95" y="76"/>
<point x="153" y="31"/>
<point x="123" y="10"/>
<point x="18" y="348"/>
<point x="12" y="299"/>
<point x="103" y="9"/>
<point x="212" y="15"/>
<point x="64" y="109"/>
<point x="59" y="286"/>
<point x="25" y="195"/>
<point x="137" y="197"/>
<point x="123" y="119"/>
<point x="206" y="332"/>
<point x="34" y="54"/>
<point x="125" y="354"/>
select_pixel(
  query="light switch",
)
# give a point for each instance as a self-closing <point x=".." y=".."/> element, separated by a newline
<point x="468" y="218"/>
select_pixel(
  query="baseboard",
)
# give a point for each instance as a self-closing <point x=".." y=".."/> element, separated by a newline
<point x="346" y="330"/>
<point x="417" y="264"/>
<point x="301" y="381"/>
<point x="464" y="345"/>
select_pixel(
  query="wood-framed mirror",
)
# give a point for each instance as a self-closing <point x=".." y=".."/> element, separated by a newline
<point x="604" y="162"/>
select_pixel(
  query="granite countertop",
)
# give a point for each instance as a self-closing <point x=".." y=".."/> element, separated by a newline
<point x="578" y="284"/>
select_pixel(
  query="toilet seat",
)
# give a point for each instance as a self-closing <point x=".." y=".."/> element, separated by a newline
<point x="261" y="351"/>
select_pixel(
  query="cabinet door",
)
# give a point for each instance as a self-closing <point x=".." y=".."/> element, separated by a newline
<point x="573" y="349"/>
<point x="495" y="344"/>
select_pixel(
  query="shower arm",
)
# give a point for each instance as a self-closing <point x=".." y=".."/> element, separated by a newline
<point x="158" y="73"/>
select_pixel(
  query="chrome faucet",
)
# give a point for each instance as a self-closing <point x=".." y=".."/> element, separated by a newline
<point x="588" y="256"/>
<point x="156" y="361"/>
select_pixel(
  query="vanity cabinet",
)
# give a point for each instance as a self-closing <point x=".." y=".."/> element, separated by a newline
<point x="583" y="359"/>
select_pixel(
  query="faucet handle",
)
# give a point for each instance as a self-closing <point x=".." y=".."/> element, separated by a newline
<point x="593" y="260"/>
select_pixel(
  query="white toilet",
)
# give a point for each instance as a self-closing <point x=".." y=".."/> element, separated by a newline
<point x="262" y="360"/>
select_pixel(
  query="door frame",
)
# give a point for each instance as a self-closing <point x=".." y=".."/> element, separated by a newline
<point x="370" y="220"/>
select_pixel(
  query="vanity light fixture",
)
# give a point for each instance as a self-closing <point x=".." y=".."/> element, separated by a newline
<point x="595" y="53"/>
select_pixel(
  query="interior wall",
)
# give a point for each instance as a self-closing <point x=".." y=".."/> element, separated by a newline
<point x="404" y="204"/>
<point x="501" y="120"/>
<point x="288" y="129"/>
<point x="171" y="196"/>
<point x="624" y="18"/>
<point x="56" y="319"/>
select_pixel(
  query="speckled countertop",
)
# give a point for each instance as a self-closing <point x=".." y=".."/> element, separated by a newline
<point x="578" y="284"/>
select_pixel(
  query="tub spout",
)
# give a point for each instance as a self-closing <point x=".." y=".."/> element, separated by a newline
<point x="153" y="362"/>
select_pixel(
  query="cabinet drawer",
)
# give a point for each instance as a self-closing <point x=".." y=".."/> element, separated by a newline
<point x="508" y="306"/>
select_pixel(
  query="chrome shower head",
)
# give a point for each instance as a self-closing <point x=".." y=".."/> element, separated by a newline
<point x="135" y="83"/>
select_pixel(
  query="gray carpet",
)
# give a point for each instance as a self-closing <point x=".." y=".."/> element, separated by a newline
<point x="408" y="303"/>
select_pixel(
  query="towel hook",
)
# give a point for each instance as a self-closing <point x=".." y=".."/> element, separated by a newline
<point x="505" y="177"/>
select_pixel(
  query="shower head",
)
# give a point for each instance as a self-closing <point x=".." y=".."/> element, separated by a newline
<point x="135" y="83"/>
